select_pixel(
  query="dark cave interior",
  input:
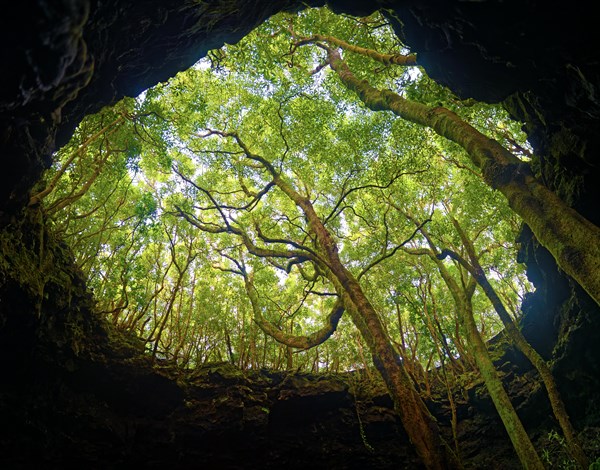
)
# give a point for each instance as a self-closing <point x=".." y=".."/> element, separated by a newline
<point x="75" y="393"/>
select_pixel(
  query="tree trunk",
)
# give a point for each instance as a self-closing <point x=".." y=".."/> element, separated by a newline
<point x="418" y="422"/>
<point x="516" y="432"/>
<point x="573" y="241"/>
<point x="420" y="425"/>
<point x="518" y="436"/>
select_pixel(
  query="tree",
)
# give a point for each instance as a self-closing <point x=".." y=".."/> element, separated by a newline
<point x="462" y="293"/>
<point x="319" y="249"/>
<point x="558" y="227"/>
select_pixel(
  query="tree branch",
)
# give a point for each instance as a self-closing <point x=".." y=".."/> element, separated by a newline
<point x="385" y="256"/>
<point x="302" y="342"/>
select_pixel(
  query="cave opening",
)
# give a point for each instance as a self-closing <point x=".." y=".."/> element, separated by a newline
<point x="130" y="168"/>
<point x="230" y="255"/>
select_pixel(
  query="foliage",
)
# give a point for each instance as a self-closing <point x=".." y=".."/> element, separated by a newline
<point x="119" y="189"/>
<point x="555" y="454"/>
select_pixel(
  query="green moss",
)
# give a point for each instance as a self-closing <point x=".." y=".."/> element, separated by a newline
<point x="30" y="258"/>
<point x="39" y="275"/>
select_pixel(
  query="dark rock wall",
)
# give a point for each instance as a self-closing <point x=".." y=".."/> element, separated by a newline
<point x="45" y="63"/>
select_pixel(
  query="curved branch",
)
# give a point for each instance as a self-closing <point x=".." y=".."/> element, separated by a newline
<point x="302" y="342"/>
<point x="284" y="241"/>
<point x="208" y="194"/>
<point x="386" y="59"/>
<point x="346" y="193"/>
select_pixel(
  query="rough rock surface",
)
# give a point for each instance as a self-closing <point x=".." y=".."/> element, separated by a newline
<point x="72" y="392"/>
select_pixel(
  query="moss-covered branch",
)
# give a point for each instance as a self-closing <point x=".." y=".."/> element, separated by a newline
<point x="386" y="59"/>
<point x="302" y="342"/>
<point x="573" y="241"/>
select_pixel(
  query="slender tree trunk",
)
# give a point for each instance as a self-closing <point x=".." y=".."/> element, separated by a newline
<point x="516" y="432"/>
<point x="518" y="436"/>
<point x="558" y="407"/>
<point x="167" y="313"/>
